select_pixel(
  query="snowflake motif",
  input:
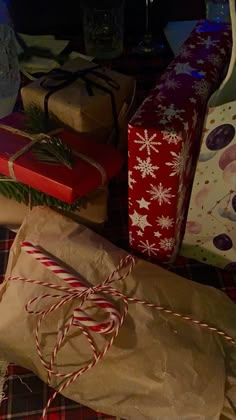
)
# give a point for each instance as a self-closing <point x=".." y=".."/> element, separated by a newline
<point x="161" y="194"/>
<point x="192" y="100"/>
<point x="167" y="243"/>
<point x="148" y="99"/>
<point x="140" y="233"/>
<point x="131" y="180"/>
<point x="148" y="248"/>
<point x="139" y="114"/>
<point x="169" y="113"/>
<point x="157" y="234"/>
<point x="147" y="142"/>
<point x="215" y="59"/>
<point x="139" y="220"/>
<point x="184" y="68"/>
<point x="171" y="137"/>
<point x="165" y="222"/>
<point x="146" y="167"/>
<point x="186" y="126"/>
<point x="195" y="118"/>
<point x="202" y="88"/>
<point x="208" y="42"/>
<point x="192" y="46"/>
<point x="131" y="239"/>
<point x="179" y="160"/>
<point x="159" y="97"/>
<point x="172" y="83"/>
<point x="185" y="52"/>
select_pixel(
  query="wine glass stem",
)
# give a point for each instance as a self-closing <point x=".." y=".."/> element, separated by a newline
<point x="147" y="25"/>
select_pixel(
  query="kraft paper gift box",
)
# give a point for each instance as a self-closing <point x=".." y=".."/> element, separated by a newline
<point x="164" y="141"/>
<point x="93" y="212"/>
<point x="93" y="164"/>
<point x="85" y="103"/>
<point x="160" y="366"/>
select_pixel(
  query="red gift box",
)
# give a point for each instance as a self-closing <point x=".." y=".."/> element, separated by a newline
<point x="164" y="140"/>
<point x="58" y="180"/>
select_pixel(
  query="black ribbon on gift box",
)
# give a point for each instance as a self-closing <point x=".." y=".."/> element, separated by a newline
<point x="66" y="78"/>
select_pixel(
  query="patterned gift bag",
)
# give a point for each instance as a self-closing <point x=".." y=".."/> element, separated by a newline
<point x="210" y="233"/>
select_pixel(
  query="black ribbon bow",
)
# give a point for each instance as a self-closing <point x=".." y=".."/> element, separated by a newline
<point x="57" y="79"/>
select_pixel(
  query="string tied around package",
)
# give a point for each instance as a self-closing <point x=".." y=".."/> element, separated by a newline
<point x="82" y="292"/>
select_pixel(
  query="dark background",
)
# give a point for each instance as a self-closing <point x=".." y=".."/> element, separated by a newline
<point x="62" y="17"/>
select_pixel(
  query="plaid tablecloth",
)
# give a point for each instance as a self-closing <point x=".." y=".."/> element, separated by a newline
<point x="25" y="394"/>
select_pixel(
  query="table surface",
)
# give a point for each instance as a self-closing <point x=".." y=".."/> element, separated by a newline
<point x="26" y="395"/>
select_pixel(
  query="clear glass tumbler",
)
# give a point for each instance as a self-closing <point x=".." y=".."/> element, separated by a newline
<point x="103" y="24"/>
<point x="217" y="11"/>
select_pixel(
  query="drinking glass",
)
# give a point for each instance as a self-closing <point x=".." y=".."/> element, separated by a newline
<point x="103" y="24"/>
<point x="147" y="45"/>
<point x="217" y="11"/>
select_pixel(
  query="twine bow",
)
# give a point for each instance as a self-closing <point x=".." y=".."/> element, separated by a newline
<point x="58" y="79"/>
<point x="37" y="138"/>
<point x="78" y="290"/>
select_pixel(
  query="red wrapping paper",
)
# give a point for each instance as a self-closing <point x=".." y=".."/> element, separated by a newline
<point x="164" y="141"/>
<point x="58" y="180"/>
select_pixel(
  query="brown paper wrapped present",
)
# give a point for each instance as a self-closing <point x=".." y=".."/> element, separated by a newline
<point x="160" y="367"/>
<point x="83" y="103"/>
<point x="93" y="212"/>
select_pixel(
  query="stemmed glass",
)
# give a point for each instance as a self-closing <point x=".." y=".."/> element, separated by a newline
<point x="147" y="44"/>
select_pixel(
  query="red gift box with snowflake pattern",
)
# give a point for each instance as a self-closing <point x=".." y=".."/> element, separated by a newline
<point x="164" y="141"/>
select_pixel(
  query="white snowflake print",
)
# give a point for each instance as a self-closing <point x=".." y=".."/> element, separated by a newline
<point x="139" y="114"/>
<point x="186" y="126"/>
<point x="172" y="83"/>
<point x="215" y="59"/>
<point x="139" y="220"/>
<point x="148" y="248"/>
<point x="202" y="88"/>
<point x="192" y="100"/>
<point x="167" y="243"/>
<point x="160" y="194"/>
<point x="131" y="180"/>
<point x="192" y="46"/>
<point x="157" y="234"/>
<point x="208" y="42"/>
<point x="160" y="97"/>
<point x="165" y="222"/>
<point x="169" y="113"/>
<point x="179" y="160"/>
<point x="131" y="239"/>
<point x="185" y="52"/>
<point x="146" y="167"/>
<point x="171" y="137"/>
<point x="195" y="118"/>
<point x="140" y="233"/>
<point x="184" y="68"/>
<point x="147" y="142"/>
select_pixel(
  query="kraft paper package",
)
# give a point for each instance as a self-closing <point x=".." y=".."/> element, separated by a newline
<point x="92" y="213"/>
<point x="160" y="367"/>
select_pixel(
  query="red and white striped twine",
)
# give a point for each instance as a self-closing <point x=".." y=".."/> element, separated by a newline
<point x="82" y="292"/>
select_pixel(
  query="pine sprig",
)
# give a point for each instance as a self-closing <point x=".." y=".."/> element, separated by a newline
<point x="30" y="196"/>
<point x="37" y="123"/>
<point x="52" y="151"/>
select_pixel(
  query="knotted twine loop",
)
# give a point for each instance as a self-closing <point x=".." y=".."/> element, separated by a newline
<point x="65" y="78"/>
<point x="82" y="292"/>
<point x="37" y="138"/>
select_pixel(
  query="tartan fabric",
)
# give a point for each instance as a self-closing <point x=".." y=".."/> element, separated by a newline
<point x="25" y="394"/>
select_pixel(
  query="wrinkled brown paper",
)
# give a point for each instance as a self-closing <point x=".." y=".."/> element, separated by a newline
<point x="160" y="367"/>
<point x="93" y="212"/>
<point x="80" y="111"/>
